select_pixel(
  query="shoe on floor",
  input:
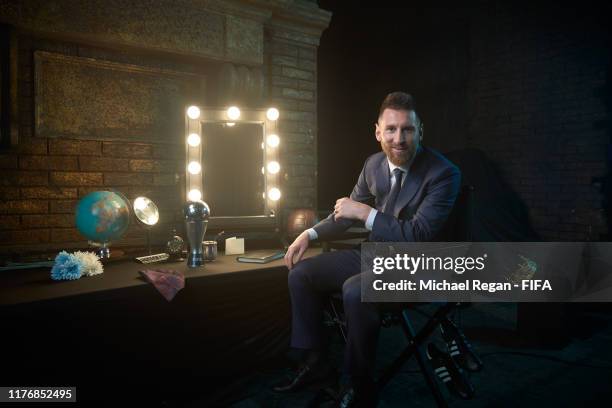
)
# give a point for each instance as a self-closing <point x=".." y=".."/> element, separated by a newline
<point x="459" y="348"/>
<point x="313" y="376"/>
<point x="447" y="371"/>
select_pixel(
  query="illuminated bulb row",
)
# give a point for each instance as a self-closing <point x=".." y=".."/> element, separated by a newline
<point x="273" y="141"/>
<point x="233" y="113"/>
<point x="194" y="140"/>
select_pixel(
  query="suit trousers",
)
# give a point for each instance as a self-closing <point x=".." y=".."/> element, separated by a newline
<point x="311" y="281"/>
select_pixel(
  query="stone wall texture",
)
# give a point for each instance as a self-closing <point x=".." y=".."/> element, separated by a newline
<point x="100" y="104"/>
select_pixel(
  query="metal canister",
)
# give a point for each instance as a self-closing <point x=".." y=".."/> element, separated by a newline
<point x="209" y="249"/>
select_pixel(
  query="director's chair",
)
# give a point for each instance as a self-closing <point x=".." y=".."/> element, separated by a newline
<point x="433" y="364"/>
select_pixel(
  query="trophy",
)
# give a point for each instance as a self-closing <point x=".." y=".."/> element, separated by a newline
<point x="196" y="222"/>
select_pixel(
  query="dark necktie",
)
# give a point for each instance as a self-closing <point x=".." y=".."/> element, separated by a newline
<point x="390" y="204"/>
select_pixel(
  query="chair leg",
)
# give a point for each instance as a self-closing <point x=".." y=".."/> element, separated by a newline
<point x="422" y="361"/>
<point x="415" y="345"/>
<point x="338" y="321"/>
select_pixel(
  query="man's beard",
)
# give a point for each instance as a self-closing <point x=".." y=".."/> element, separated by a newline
<point x="398" y="158"/>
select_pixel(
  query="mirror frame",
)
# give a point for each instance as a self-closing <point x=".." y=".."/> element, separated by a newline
<point x="194" y="124"/>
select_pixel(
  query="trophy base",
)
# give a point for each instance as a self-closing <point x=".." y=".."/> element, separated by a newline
<point x="195" y="261"/>
<point x="102" y="250"/>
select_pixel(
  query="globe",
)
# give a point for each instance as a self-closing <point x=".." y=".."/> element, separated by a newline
<point x="102" y="217"/>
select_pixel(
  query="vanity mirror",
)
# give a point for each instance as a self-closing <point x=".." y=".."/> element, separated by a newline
<point x="232" y="164"/>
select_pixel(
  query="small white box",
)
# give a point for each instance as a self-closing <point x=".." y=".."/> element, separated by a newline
<point x="234" y="246"/>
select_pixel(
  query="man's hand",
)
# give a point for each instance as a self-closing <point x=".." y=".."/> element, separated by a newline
<point x="296" y="249"/>
<point x="350" y="209"/>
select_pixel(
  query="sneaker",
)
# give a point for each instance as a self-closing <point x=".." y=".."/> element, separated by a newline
<point x="459" y="348"/>
<point x="449" y="372"/>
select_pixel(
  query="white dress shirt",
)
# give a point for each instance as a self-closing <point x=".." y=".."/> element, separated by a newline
<point x="369" y="223"/>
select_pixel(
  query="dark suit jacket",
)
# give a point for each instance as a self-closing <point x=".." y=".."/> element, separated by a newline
<point x="423" y="205"/>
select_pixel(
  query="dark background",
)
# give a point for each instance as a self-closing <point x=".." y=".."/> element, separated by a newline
<point x="528" y="84"/>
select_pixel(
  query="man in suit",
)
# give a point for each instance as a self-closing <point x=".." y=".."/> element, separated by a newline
<point x="404" y="194"/>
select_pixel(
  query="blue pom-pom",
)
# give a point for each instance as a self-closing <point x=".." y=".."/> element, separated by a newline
<point x="67" y="267"/>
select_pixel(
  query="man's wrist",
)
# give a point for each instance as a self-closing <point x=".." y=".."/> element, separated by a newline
<point x="312" y="234"/>
<point x="365" y="213"/>
<point x="369" y="222"/>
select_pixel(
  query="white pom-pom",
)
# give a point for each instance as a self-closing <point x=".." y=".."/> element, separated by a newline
<point x="91" y="264"/>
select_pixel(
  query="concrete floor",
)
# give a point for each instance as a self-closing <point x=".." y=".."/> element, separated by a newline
<point x="575" y="373"/>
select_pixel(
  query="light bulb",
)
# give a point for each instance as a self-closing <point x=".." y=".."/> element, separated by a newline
<point x="273" y="167"/>
<point x="140" y="203"/>
<point x="233" y="113"/>
<point x="193" y="112"/>
<point x="274" y="194"/>
<point x="194" y="167"/>
<point x="194" y="195"/>
<point x="273" y="140"/>
<point x="272" y="114"/>
<point x="193" y="140"/>
<point x="153" y="219"/>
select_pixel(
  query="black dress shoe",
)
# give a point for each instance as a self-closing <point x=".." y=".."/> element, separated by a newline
<point x="318" y="376"/>
<point x="450" y="373"/>
<point x="460" y="349"/>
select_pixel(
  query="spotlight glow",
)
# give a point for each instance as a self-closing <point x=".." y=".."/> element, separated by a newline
<point x="233" y="113"/>
<point x="193" y="140"/>
<point x="193" y="112"/>
<point x="194" y="195"/>
<point x="273" y="167"/>
<point x="274" y="194"/>
<point x="194" y="167"/>
<point x="140" y="203"/>
<point x="273" y="140"/>
<point x="272" y="114"/>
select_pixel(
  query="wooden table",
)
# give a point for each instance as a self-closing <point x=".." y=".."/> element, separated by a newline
<point x="116" y="331"/>
<point x="23" y="286"/>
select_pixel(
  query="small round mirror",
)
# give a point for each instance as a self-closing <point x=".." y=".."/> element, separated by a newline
<point x="146" y="211"/>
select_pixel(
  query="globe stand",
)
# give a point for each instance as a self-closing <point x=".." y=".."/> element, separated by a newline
<point x="102" y="251"/>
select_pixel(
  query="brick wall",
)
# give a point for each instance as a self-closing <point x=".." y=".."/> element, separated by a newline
<point x="44" y="179"/>
<point x="538" y="81"/>
<point x="292" y="77"/>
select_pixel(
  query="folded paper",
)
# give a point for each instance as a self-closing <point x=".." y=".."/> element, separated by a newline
<point x="234" y="246"/>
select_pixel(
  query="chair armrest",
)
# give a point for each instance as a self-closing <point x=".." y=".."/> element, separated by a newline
<point x="347" y="240"/>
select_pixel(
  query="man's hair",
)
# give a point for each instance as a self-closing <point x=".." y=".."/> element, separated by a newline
<point x="398" y="101"/>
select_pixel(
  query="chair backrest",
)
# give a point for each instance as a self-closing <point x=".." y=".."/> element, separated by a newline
<point x="458" y="227"/>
